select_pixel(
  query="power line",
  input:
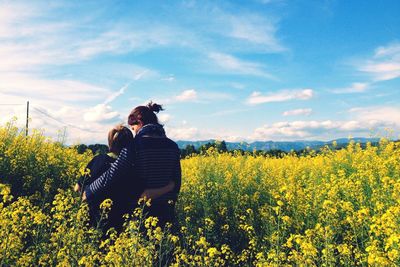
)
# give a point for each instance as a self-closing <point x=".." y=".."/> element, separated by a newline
<point x="48" y="115"/>
<point x="65" y="124"/>
<point x="49" y="123"/>
<point x="43" y="112"/>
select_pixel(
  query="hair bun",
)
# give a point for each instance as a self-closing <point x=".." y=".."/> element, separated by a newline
<point x="154" y="107"/>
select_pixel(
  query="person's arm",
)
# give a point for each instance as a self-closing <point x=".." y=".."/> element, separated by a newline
<point x="155" y="193"/>
<point x="121" y="165"/>
<point x="173" y="185"/>
<point x="85" y="179"/>
<point x="177" y="176"/>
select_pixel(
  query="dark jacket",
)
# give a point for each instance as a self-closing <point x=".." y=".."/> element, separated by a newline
<point x="99" y="164"/>
<point x="155" y="160"/>
<point x="157" y="163"/>
<point x="124" y="192"/>
<point x="120" y="172"/>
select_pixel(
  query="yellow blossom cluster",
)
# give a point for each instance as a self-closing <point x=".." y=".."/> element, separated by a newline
<point x="36" y="166"/>
<point x="326" y="208"/>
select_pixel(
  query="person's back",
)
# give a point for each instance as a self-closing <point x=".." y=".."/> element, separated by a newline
<point x="157" y="163"/>
<point x="125" y="191"/>
<point x="99" y="164"/>
<point x="157" y="160"/>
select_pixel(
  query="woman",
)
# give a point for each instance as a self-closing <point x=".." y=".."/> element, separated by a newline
<point x="152" y="157"/>
<point x="118" y="138"/>
<point x="157" y="160"/>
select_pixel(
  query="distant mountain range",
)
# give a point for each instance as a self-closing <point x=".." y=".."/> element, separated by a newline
<point x="281" y="145"/>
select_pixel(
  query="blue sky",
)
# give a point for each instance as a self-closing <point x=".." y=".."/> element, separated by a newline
<point x="228" y="70"/>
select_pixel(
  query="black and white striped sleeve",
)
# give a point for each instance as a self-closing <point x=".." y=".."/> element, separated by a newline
<point x="121" y="165"/>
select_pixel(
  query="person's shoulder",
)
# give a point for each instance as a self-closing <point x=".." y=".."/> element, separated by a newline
<point x="154" y="143"/>
<point x="130" y="149"/>
<point x="172" y="143"/>
<point x="99" y="163"/>
<point x="101" y="158"/>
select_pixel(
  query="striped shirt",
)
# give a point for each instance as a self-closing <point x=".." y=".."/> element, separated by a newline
<point x="155" y="160"/>
<point x="120" y="171"/>
<point x="157" y="163"/>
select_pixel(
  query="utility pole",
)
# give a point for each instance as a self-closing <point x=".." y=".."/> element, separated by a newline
<point x="27" y="118"/>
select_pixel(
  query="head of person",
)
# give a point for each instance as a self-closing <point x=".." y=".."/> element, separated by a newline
<point x="118" y="138"/>
<point x="143" y="115"/>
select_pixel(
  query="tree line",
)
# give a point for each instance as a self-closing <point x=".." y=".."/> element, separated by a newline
<point x="221" y="147"/>
<point x="190" y="150"/>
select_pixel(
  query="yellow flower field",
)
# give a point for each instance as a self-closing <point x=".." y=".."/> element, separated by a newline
<point x="334" y="208"/>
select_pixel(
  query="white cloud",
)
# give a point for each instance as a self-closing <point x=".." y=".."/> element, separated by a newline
<point x="354" y="88"/>
<point x="187" y="133"/>
<point x="32" y="36"/>
<point x="67" y="90"/>
<point x="193" y="95"/>
<point x="382" y="71"/>
<point x="243" y="30"/>
<point x="365" y="121"/>
<point x="13" y="109"/>
<point x="315" y="130"/>
<point x="223" y="134"/>
<point x="123" y="39"/>
<point x="54" y="120"/>
<point x="164" y="118"/>
<point x="286" y="95"/>
<point x="140" y="75"/>
<point x="296" y="112"/>
<point x="256" y="30"/>
<point x="28" y="56"/>
<point x="72" y="119"/>
<point x="278" y="132"/>
<point x="36" y="42"/>
<point x="12" y="13"/>
<point x="34" y="87"/>
<point x="386" y="114"/>
<point x="187" y="95"/>
<point x="385" y="64"/>
<point x="113" y="96"/>
<point x="235" y="65"/>
<point x="169" y="78"/>
<point x="390" y="50"/>
<point x="101" y="113"/>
